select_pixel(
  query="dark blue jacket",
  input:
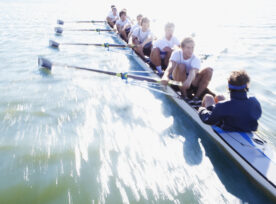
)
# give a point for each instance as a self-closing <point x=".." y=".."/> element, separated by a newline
<point x="239" y="114"/>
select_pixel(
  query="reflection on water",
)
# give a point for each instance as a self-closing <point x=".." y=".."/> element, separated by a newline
<point x="70" y="136"/>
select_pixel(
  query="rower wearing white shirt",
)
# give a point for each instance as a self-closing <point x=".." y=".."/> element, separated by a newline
<point x="162" y="48"/>
<point x="112" y="16"/>
<point x="142" y="38"/>
<point x="139" y="20"/>
<point x="185" y="67"/>
<point x="123" y="25"/>
<point x="128" y="18"/>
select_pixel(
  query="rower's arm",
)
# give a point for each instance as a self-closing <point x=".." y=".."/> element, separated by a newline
<point x="169" y="70"/>
<point x="191" y="76"/>
<point x="126" y="26"/>
<point x="211" y="115"/>
<point x="134" y="40"/>
<point x="149" y="39"/>
<point x="119" y="28"/>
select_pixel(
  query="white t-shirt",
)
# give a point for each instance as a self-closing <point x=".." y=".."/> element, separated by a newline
<point x="134" y="27"/>
<point x="164" y="42"/>
<point x="193" y="62"/>
<point x="110" y="15"/>
<point x="142" y="36"/>
<point x="122" y="23"/>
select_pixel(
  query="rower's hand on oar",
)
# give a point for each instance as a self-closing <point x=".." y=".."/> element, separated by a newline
<point x="164" y="81"/>
<point x="131" y="45"/>
<point x="186" y="85"/>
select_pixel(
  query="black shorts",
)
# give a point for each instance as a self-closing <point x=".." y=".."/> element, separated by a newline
<point x="127" y="31"/>
<point x="147" y="49"/>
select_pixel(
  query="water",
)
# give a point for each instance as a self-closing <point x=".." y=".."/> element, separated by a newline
<point x="78" y="137"/>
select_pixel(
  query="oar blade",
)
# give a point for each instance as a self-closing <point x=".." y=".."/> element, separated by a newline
<point x="53" y="44"/>
<point x="60" y="22"/>
<point x="45" y="63"/>
<point x="58" y="30"/>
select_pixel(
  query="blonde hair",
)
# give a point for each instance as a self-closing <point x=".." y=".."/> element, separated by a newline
<point x="187" y="40"/>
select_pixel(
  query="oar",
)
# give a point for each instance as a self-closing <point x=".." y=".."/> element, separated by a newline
<point x="60" y="30"/>
<point x="45" y="63"/>
<point x="56" y="45"/>
<point x="61" y="22"/>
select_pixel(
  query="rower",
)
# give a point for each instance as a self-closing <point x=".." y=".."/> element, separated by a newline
<point x="162" y="48"/>
<point x="142" y="38"/>
<point x="240" y="113"/>
<point x="185" y="67"/>
<point x="112" y="16"/>
<point x="139" y="20"/>
<point x="127" y="17"/>
<point x="123" y="25"/>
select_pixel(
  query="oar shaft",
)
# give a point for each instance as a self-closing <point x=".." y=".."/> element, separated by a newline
<point x="55" y="44"/>
<point x="95" y="44"/>
<point x="98" y="30"/>
<point x="48" y="64"/>
<point x="87" y="69"/>
<point x="92" y="21"/>
<point x="61" y="22"/>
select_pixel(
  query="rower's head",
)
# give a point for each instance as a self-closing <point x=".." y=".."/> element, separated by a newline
<point x="122" y="15"/>
<point x="145" y="23"/>
<point x="139" y="19"/>
<point x="187" y="46"/>
<point x="238" y="81"/>
<point x="114" y="11"/>
<point x="169" y="29"/>
<point x="113" y="6"/>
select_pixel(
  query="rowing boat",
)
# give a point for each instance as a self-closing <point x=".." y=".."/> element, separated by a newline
<point x="250" y="151"/>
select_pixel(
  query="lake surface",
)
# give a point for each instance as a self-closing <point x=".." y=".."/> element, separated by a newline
<point x="76" y="137"/>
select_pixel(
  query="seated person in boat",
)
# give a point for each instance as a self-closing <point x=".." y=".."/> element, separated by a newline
<point x="162" y="48"/>
<point x="139" y="20"/>
<point x="127" y="17"/>
<point x="123" y="25"/>
<point x="142" y="38"/>
<point x="112" y="16"/>
<point x="240" y="113"/>
<point x="184" y="66"/>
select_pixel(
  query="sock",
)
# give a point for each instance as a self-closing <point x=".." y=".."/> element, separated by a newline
<point x="159" y="69"/>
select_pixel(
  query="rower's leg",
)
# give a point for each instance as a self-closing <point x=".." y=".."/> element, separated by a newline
<point x="123" y="34"/>
<point x="179" y="74"/>
<point x="139" y="50"/>
<point x="167" y="58"/>
<point x="202" y="81"/>
<point x="155" y="57"/>
<point x="111" y="23"/>
<point x="208" y="100"/>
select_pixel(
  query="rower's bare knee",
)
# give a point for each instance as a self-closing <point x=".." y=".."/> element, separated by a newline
<point x="155" y="53"/>
<point x="179" y="73"/>
<point x="208" y="73"/>
<point x="205" y="77"/>
<point x="208" y="100"/>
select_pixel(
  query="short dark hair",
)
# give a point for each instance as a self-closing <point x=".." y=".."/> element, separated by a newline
<point x="122" y="13"/>
<point x="113" y="6"/>
<point x="239" y="79"/>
